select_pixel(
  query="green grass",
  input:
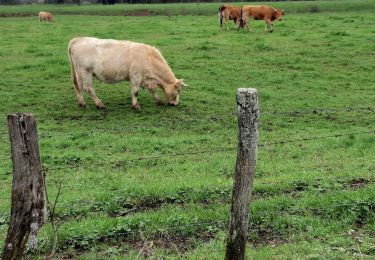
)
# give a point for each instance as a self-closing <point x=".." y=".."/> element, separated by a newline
<point x="183" y="8"/>
<point x="315" y="77"/>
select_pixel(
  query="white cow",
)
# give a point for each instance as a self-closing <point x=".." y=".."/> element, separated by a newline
<point x="114" y="61"/>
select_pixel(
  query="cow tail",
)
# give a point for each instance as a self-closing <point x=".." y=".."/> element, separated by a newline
<point x="241" y="20"/>
<point x="220" y="14"/>
<point x="72" y="69"/>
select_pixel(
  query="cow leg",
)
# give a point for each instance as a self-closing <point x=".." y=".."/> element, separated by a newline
<point x="269" y="25"/>
<point x="87" y="85"/>
<point x="266" y="28"/>
<point x="246" y="23"/>
<point x="94" y="97"/>
<point x="220" y="19"/>
<point x="156" y="96"/>
<point x="135" y="83"/>
<point x="135" y="103"/>
<point x="237" y="23"/>
<point x="78" y="86"/>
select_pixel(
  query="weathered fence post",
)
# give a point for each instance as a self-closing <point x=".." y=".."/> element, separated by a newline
<point x="248" y="124"/>
<point x="28" y="209"/>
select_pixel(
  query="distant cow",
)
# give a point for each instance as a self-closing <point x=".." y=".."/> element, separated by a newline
<point x="46" y="16"/>
<point x="229" y="12"/>
<point x="114" y="61"/>
<point x="266" y="13"/>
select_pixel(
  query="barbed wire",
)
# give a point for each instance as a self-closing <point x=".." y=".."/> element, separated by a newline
<point x="218" y="225"/>
<point x="320" y="110"/>
<point x="136" y="203"/>
<point x="94" y="206"/>
<point x="369" y="108"/>
<point x="216" y="118"/>
<point x="316" y="138"/>
<point x="225" y="149"/>
<point x="208" y="151"/>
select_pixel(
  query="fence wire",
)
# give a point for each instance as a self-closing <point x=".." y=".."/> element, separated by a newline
<point x="206" y="151"/>
<point x="220" y="225"/>
<point x="217" y="225"/>
<point x="319" y="110"/>
<point x="218" y="118"/>
<point x="209" y="151"/>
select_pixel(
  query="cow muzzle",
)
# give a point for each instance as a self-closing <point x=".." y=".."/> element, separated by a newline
<point x="175" y="101"/>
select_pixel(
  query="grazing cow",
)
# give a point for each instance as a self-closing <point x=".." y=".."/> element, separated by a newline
<point x="45" y="16"/>
<point x="229" y="13"/>
<point x="266" y="13"/>
<point x="113" y="61"/>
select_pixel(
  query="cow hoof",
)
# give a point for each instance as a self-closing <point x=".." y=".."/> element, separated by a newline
<point x="159" y="103"/>
<point x="99" y="105"/>
<point x="136" y="107"/>
<point x="82" y="104"/>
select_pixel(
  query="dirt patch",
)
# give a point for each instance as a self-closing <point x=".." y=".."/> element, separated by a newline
<point x="169" y="242"/>
<point x="64" y="118"/>
<point x="138" y="13"/>
<point x="175" y="244"/>
<point x="10" y="15"/>
<point x="331" y="117"/>
<point x="72" y="255"/>
<point x="265" y="237"/>
<point x="358" y="183"/>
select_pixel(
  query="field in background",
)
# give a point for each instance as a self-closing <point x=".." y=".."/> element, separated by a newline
<point x="184" y="8"/>
<point x="136" y="183"/>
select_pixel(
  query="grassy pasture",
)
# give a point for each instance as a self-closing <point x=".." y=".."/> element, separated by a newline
<point x="315" y="76"/>
<point x="183" y="8"/>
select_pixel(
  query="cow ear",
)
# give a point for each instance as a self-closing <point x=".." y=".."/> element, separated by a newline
<point x="182" y="83"/>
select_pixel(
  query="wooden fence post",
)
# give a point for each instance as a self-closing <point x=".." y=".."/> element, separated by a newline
<point x="28" y="209"/>
<point x="248" y="134"/>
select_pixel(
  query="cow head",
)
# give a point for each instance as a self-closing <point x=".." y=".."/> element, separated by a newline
<point x="278" y="14"/>
<point x="172" y="93"/>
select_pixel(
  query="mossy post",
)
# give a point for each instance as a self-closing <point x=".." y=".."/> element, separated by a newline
<point x="28" y="209"/>
<point x="248" y="135"/>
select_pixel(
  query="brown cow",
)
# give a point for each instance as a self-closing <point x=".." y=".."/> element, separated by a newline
<point x="229" y="13"/>
<point x="266" y="13"/>
<point x="113" y="61"/>
<point x="45" y="16"/>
